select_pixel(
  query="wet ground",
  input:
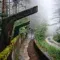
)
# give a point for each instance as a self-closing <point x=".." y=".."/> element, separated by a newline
<point x="32" y="52"/>
<point x="27" y="51"/>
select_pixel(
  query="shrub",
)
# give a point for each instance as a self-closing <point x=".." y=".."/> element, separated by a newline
<point x="57" y="37"/>
<point x="40" y="32"/>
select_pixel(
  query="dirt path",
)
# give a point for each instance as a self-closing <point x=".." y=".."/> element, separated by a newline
<point x="31" y="51"/>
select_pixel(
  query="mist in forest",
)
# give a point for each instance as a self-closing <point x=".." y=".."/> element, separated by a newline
<point x="48" y="12"/>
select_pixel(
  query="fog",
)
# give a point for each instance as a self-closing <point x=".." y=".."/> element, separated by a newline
<point x="47" y="13"/>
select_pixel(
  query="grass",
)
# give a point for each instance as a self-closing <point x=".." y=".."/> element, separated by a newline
<point x="44" y="46"/>
<point x="52" y="51"/>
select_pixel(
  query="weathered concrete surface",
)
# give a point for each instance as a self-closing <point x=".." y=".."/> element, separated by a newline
<point x="23" y="51"/>
<point x="20" y="53"/>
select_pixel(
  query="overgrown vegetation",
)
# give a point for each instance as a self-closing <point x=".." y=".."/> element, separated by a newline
<point x="40" y="32"/>
<point x="40" y="37"/>
<point x="57" y="36"/>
